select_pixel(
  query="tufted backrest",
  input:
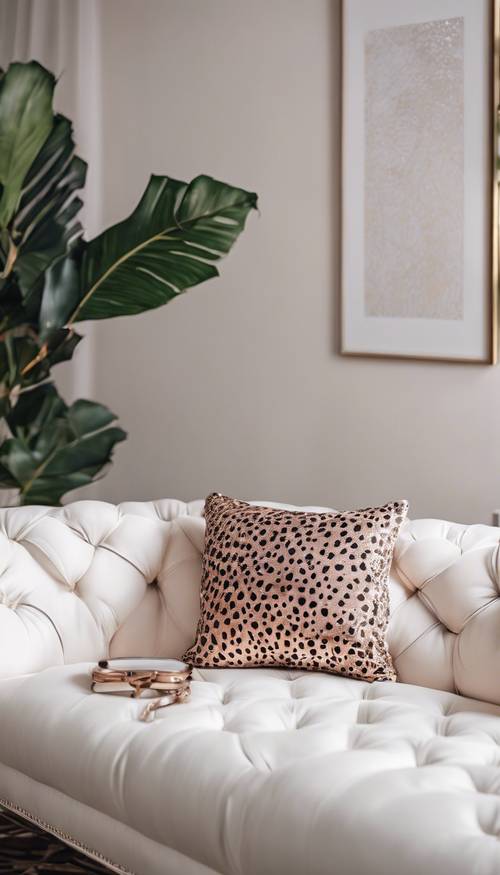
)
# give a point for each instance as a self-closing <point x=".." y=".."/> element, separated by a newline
<point x="91" y="579"/>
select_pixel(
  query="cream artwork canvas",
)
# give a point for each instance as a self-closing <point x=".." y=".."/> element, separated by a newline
<point x="418" y="249"/>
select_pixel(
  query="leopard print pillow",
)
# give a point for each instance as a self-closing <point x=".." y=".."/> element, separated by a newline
<point x="297" y="589"/>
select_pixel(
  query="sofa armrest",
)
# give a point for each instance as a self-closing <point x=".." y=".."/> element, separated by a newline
<point x="445" y="607"/>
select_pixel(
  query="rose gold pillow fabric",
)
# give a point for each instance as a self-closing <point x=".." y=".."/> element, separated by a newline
<point x="296" y="589"/>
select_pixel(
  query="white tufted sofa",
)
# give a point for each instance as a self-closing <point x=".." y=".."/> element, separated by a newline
<point x="264" y="772"/>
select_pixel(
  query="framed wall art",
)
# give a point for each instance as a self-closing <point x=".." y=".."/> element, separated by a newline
<point x="419" y="181"/>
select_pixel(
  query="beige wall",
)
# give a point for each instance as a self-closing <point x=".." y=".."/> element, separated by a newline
<point x="238" y="386"/>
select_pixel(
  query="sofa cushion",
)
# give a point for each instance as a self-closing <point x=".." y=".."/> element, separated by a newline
<point x="267" y="770"/>
<point x="303" y="590"/>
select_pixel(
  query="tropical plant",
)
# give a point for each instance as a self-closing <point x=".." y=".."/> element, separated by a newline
<point x="52" y="278"/>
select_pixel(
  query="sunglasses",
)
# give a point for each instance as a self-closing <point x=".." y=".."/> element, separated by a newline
<point x="168" y="680"/>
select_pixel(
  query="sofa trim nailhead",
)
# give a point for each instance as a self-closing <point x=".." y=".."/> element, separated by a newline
<point x="65" y="837"/>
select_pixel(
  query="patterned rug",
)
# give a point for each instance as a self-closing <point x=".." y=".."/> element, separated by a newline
<point x="27" y="850"/>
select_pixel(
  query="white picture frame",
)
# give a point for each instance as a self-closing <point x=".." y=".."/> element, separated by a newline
<point x="419" y="179"/>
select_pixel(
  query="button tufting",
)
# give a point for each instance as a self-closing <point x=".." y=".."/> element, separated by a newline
<point x="11" y="605"/>
<point x="489" y="831"/>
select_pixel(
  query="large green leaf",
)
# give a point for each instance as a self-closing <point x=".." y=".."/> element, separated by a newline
<point x="45" y="225"/>
<point x="60" y="295"/>
<point x="167" y="245"/>
<point x="25" y="123"/>
<point x="55" y="448"/>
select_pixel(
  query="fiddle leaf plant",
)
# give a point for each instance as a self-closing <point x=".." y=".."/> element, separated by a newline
<point x="52" y="278"/>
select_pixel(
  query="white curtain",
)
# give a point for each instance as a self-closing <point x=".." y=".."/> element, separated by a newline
<point x="64" y="36"/>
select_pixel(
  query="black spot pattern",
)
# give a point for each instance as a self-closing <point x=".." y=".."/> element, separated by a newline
<point x="295" y="589"/>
